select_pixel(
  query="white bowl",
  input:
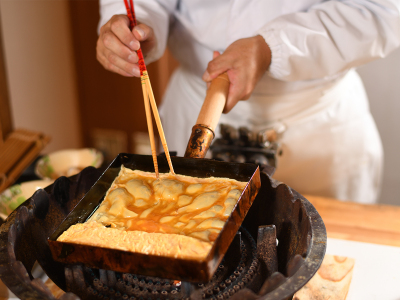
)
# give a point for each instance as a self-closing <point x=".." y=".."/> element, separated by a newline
<point x="12" y="197"/>
<point x="67" y="162"/>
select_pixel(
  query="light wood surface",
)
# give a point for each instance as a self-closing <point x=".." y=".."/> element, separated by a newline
<point x="377" y="224"/>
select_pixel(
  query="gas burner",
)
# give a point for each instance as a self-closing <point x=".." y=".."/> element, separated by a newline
<point x="254" y="267"/>
<point x="240" y="268"/>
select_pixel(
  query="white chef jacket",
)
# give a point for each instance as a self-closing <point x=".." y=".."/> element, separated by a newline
<point x="311" y="92"/>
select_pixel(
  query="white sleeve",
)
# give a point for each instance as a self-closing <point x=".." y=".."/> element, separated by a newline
<point x="156" y="14"/>
<point x="331" y="37"/>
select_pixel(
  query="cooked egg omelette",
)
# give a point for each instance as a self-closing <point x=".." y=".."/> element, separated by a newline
<point x="173" y="215"/>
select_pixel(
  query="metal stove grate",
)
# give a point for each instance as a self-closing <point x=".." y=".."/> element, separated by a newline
<point x="239" y="269"/>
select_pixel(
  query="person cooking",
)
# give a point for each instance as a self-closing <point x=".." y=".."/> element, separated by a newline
<point x="293" y="62"/>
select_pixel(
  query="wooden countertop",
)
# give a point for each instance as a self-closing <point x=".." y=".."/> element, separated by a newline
<point x="377" y="224"/>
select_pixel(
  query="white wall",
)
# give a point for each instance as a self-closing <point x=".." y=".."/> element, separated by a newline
<point x="382" y="82"/>
<point x="40" y="69"/>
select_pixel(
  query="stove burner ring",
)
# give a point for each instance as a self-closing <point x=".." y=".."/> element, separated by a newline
<point x="239" y="269"/>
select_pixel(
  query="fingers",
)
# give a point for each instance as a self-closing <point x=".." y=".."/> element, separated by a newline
<point x="206" y="76"/>
<point x="113" y="63"/>
<point x="240" y="81"/>
<point x="237" y="92"/>
<point x="117" y="46"/>
<point x="112" y="44"/>
<point x="245" y="61"/>
<point x="145" y="35"/>
<point x="119" y="26"/>
<point x="217" y="66"/>
<point x="216" y="54"/>
<point x="142" y="32"/>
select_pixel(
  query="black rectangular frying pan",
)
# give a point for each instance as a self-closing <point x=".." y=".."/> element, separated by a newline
<point x="191" y="165"/>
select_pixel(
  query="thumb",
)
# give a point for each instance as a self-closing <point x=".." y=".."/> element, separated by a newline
<point x="142" y="32"/>
<point x="216" y="54"/>
<point x="215" y="67"/>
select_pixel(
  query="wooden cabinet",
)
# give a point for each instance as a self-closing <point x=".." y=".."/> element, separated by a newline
<point x="5" y="113"/>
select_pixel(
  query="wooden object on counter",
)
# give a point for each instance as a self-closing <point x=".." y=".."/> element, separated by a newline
<point x="19" y="149"/>
<point x="331" y="282"/>
<point x="377" y="223"/>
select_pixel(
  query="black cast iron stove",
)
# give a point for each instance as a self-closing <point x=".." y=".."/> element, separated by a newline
<point x="279" y="247"/>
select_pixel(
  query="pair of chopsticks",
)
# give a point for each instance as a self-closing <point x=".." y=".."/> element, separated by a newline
<point x="148" y="96"/>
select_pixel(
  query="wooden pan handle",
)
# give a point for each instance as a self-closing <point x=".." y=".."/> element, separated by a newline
<point x="207" y="121"/>
<point x="214" y="102"/>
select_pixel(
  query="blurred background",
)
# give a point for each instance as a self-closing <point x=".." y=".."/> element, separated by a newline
<point x="51" y="82"/>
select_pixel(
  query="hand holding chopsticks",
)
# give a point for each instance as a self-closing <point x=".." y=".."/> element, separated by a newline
<point x="149" y="100"/>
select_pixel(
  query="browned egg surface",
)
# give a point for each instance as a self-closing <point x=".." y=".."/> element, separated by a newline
<point x="162" y="244"/>
<point x="172" y="204"/>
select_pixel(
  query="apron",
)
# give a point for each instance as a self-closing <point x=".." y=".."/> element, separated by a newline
<point x="329" y="141"/>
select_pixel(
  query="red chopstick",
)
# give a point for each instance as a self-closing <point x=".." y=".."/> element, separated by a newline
<point x="132" y="19"/>
<point x="148" y="96"/>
